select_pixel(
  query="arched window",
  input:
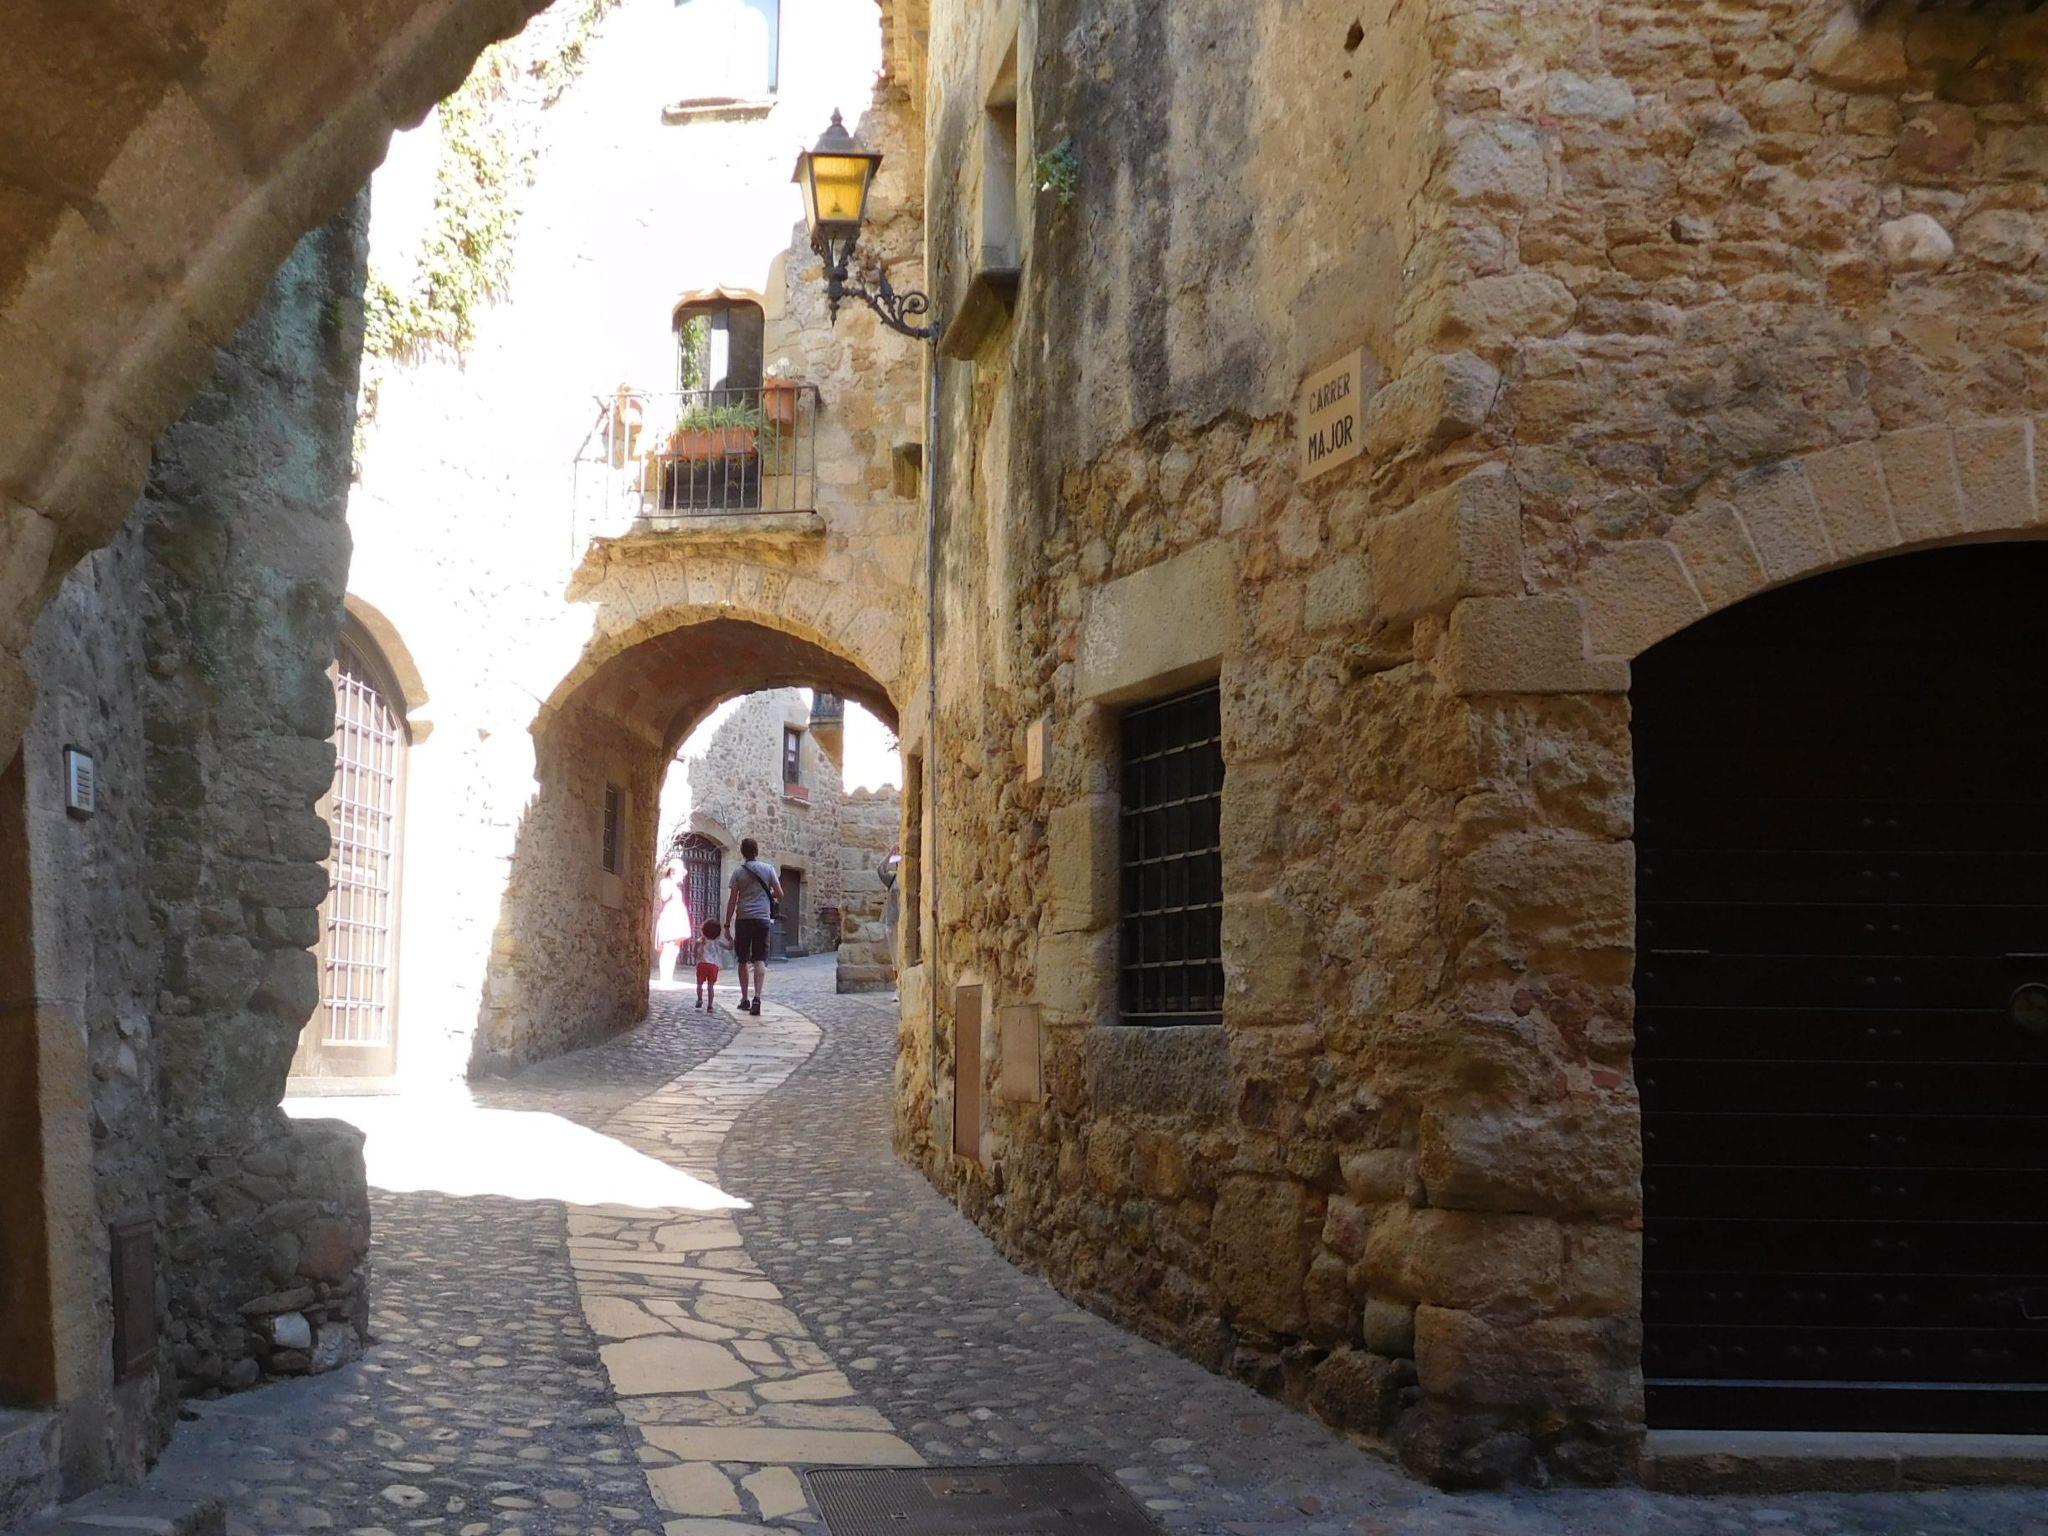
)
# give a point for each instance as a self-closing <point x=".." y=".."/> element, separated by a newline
<point x="718" y="344"/>
<point x="354" y="1032"/>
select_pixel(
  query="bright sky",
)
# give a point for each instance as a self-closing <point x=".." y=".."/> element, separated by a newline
<point x="872" y="761"/>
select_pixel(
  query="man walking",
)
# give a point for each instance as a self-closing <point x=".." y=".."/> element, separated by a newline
<point x="749" y="909"/>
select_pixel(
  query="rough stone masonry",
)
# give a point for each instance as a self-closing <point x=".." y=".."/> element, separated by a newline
<point x="190" y="658"/>
<point x="1670" y="304"/>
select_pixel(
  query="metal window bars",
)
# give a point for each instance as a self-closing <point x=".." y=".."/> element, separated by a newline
<point x="1171" y="968"/>
<point x="652" y="460"/>
<point x="369" y="738"/>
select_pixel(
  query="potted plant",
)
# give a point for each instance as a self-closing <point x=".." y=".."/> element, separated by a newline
<point x="716" y="432"/>
<point x="778" y="401"/>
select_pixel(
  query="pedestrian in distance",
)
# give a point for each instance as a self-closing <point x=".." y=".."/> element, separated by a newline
<point x="671" y="920"/>
<point x="753" y="901"/>
<point x="708" y="955"/>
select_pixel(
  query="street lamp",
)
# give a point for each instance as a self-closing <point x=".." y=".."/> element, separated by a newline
<point x="834" y="176"/>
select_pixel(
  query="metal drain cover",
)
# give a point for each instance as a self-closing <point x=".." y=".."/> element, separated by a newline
<point x="1041" y="1500"/>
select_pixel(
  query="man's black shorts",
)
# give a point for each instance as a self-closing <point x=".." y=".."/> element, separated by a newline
<point x="750" y="939"/>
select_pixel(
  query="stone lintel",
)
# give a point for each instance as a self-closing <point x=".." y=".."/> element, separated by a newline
<point x="1165" y="627"/>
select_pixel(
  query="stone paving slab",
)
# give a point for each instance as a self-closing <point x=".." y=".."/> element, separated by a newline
<point x="723" y="1383"/>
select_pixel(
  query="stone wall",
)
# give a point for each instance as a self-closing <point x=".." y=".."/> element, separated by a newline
<point x="870" y="829"/>
<point x="1659" y="310"/>
<point x="570" y="957"/>
<point x="172" y="927"/>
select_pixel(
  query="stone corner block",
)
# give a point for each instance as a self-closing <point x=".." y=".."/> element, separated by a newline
<point x="1526" y="645"/>
<point x="1442" y="398"/>
<point x="1081" y="839"/>
<point x="1339" y="595"/>
<point x="1167" y="625"/>
<point x="1462" y="541"/>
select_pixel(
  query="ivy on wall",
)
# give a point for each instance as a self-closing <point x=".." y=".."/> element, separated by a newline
<point x="466" y="256"/>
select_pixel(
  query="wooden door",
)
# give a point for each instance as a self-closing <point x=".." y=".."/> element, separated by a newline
<point x="792" y="911"/>
<point x="703" y="878"/>
<point x="1842" y="1002"/>
<point x="354" y="1031"/>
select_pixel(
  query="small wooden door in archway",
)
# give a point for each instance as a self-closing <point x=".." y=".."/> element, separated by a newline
<point x="703" y="882"/>
<point x="354" y="1031"/>
<point x="1842" y="1001"/>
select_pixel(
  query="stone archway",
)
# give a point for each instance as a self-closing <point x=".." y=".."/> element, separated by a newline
<point x="1916" y="488"/>
<point x="570" y="954"/>
<point x="1540" y="667"/>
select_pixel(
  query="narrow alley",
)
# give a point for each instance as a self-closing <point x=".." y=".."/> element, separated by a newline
<point x="558" y="1365"/>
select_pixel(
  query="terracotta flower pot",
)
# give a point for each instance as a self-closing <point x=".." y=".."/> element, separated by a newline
<point x="695" y="444"/>
<point x="778" y="401"/>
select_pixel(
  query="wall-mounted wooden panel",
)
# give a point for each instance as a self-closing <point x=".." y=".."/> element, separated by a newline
<point x="967" y="1072"/>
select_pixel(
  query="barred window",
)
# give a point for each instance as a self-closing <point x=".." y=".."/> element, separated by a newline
<point x="614" y="803"/>
<point x="1172" y="964"/>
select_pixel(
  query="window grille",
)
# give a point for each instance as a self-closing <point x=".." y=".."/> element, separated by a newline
<point x="1172" y="858"/>
<point x="613" y="810"/>
<point x="369" y="740"/>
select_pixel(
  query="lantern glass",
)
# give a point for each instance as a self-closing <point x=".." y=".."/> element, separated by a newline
<point x="838" y="191"/>
<point x="834" y="176"/>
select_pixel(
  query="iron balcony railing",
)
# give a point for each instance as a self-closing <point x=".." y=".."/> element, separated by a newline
<point x="653" y="459"/>
<point x="827" y="709"/>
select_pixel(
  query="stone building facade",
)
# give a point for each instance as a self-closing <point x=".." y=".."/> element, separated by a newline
<point x="186" y="1236"/>
<point x="1652" y="318"/>
<point x="1655" y="310"/>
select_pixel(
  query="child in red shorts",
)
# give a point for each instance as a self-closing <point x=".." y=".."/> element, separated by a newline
<point x="707" y="966"/>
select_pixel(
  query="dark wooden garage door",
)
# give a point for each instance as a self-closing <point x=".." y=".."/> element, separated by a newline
<point x="1842" y="813"/>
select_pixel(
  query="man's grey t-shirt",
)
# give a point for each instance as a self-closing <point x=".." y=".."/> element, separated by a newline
<point x="753" y="892"/>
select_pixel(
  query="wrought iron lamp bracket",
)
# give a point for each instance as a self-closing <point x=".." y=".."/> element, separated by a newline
<point x="893" y="309"/>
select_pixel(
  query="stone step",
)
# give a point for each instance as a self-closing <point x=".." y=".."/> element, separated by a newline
<point x="28" y="1463"/>
<point x="1721" y="1461"/>
<point x="131" y="1513"/>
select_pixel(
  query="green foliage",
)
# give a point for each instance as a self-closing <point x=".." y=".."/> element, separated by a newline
<point x="556" y="71"/>
<point x="466" y="257"/>
<point x="733" y="415"/>
<point x="1058" y="171"/>
<point x="693" y="345"/>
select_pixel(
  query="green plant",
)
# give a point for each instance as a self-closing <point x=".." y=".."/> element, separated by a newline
<point x="1058" y="171"/>
<point x="733" y="415"/>
<point x="466" y="256"/>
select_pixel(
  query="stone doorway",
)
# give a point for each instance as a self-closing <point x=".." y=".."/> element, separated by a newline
<point x="792" y="911"/>
<point x="1842" y="1002"/>
<point x="354" y="1031"/>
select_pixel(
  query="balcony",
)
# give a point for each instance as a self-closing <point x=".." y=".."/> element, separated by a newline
<point x="827" y="709"/>
<point x="655" y="462"/>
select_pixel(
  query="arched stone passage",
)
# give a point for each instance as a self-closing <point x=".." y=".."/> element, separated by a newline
<point x="570" y="954"/>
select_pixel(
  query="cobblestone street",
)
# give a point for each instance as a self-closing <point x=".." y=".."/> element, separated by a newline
<point x="638" y="1289"/>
